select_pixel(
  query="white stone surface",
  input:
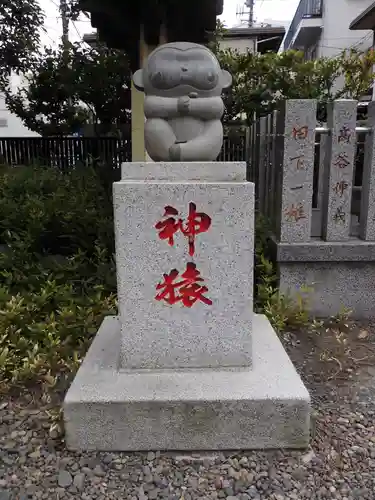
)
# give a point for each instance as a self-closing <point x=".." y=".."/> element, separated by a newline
<point x="263" y="407"/>
<point x="209" y="171"/>
<point x="156" y="334"/>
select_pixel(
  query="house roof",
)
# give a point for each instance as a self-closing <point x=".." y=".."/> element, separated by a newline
<point x="365" y="20"/>
<point x="268" y="38"/>
<point x="118" y="22"/>
<point x="254" y="31"/>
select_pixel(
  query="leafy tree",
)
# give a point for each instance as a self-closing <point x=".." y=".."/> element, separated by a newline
<point x="20" y="24"/>
<point x="71" y="88"/>
<point x="74" y="9"/>
<point x="261" y="81"/>
<point x="358" y="72"/>
<point x="216" y="37"/>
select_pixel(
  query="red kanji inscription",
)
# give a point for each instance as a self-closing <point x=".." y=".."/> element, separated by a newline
<point x="197" y="222"/>
<point x="169" y="226"/>
<point x="295" y="212"/>
<point x="188" y="290"/>
<point x="300" y="132"/>
<point x="342" y="160"/>
<point x="345" y="135"/>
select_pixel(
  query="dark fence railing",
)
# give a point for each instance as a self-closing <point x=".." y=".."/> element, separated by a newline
<point x="63" y="152"/>
<point x="70" y="152"/>
<point x="305" y="9"/>
<point x="234" y="148"/>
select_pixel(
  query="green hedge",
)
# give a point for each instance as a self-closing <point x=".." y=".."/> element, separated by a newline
<point x="57" y="270"/>
<point x="56" y="212"/>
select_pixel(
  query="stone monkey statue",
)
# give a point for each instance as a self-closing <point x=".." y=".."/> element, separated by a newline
<point x="183" y="83"/>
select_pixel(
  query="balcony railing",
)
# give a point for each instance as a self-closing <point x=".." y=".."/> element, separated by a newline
<point x="306" y="9"/>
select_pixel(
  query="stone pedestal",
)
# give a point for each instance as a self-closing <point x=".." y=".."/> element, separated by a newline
<point x="206" y="227"/>
<point x="186" y="365"/>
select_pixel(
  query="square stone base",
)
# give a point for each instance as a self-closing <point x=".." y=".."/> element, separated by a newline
<point x="339" y="275"/>
<point x="266" y="406"/>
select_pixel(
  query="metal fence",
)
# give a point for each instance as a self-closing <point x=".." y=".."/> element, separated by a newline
<point x="234" y="147"/>
<point x="69" y="152"/>
<point x="63" y="152"/>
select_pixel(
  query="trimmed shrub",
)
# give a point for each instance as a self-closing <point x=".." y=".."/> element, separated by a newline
<point x="57" y="270"/>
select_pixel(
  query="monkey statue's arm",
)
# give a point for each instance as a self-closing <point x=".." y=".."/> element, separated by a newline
<point x="206" y="108"/>
<point x="160" y="107"/>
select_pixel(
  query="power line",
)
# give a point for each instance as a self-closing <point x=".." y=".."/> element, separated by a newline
<point x="49" y="37"/>
<point x="353" y="46"/>
<point x="52" y="28"/>
<point x="261" y="4"/>
<point x="78" y="33"/>
<point x="340" y="49"/>
<point x="55" y="4"/>
<point x="367" y="37"/>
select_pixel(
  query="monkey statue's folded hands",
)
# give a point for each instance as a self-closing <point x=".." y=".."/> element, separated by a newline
<point x="183" y="106"/>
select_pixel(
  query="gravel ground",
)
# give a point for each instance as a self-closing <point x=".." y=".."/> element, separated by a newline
<point x="339" y="465"/>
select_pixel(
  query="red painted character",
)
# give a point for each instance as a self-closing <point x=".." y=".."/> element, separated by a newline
<point x="169" y="226"/>
<point x="188" y="290"/>
<point x="301" y="132"/>
<point x="197" y="222"/>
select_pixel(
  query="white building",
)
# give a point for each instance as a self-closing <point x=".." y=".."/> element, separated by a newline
<point x="321" y="28"/>
<point x="254" y="39"/>
<point x="10" y="124"/>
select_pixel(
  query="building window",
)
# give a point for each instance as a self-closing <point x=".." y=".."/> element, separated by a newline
<point x="3" y="122"/>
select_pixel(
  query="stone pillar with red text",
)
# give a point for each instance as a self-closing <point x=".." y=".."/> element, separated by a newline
<point x="186" y="364"/>
<point x="184" y="254"/>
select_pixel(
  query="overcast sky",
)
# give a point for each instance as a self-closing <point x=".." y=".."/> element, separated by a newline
<point x="276" y="10"/>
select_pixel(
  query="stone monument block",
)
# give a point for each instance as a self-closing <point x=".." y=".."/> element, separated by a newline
<point x="367" y="220"/>
<point x="184" y="253"/>
<point x="186" y="365"/>
<point x="339" y="170"/>
<point x="296" y="122"/>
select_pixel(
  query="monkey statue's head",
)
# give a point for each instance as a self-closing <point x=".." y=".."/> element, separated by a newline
<point x="180" y="68"/>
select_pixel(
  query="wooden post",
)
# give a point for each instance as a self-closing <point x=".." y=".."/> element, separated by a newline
<point x="137" y="100"/>
<point x="261" y="163"/>
<point x="267" y="159"/>
<point x="138" y="117"/>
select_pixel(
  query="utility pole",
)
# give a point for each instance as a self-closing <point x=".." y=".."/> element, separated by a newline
<point x="65" y="24"/>
<point x="250" y="5"/>
<point x="241" y="12"/>
<point x="65" y="36"/>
